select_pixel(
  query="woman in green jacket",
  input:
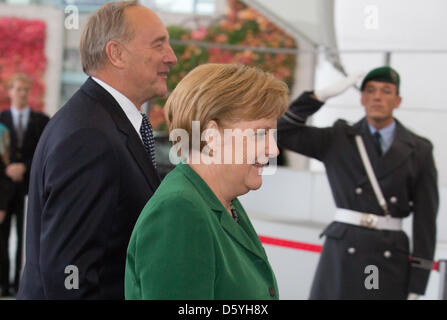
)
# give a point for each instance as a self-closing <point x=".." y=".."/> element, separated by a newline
<point x="193" y="239"/>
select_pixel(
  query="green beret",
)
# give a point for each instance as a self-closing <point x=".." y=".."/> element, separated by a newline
<point x="382" y="74"/>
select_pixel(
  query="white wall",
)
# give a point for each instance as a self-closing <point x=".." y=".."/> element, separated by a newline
<point x="401" y="24"/>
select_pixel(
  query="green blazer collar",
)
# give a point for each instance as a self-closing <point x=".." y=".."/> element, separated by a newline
<point x="202" y="187"/>
<point x="243" y="232"/>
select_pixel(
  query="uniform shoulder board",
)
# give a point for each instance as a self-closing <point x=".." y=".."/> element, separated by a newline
<point x="423" y="140"/>
<point x="419" y="139"/>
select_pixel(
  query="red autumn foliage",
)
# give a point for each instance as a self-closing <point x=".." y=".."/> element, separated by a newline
<point x="22" y="49"/>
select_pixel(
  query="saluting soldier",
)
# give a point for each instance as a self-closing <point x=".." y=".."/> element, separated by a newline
<point x="379" y="173"/>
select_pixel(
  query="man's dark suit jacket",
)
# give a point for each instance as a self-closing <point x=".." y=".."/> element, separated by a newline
<point x="4" y="180"/>
<point x="36" y="124"/>
<point x="4" y="187"/>
<point x="90" y="179"/>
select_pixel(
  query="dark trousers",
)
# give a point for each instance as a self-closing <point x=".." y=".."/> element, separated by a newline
<point x="16" y="208"/>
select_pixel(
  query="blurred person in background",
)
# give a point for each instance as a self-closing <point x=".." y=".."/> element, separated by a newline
<point x="402" y="180"/>
<point x="4" y="197"/>
<point x="25" y="128"/>
<point x="193" y="239"/>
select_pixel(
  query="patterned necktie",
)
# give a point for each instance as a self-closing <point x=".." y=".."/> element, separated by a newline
<point x="148" y="138"/>
<point x="378" y="142"/>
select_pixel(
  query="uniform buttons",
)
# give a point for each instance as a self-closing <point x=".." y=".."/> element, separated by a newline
<point x="393" y="199"/>
<point x="272" y="291"/>
<point x="387" y="254"/>
<point x="359" y="191"/>
<point x="410" y="203"/>
<point x="351" y="250"/>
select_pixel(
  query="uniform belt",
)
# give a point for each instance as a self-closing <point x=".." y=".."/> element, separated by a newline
<point x="368" y="220"/>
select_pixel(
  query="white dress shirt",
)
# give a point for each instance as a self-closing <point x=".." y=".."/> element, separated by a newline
<point x="16" y="114"/>
<point x="131" y="111"/>
<point x="387" y="135"/>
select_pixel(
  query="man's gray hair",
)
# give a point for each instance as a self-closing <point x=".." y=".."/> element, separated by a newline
<point x="108" y="23"/>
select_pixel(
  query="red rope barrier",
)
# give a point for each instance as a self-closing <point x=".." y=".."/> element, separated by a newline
<point x="291" y="244"/>
<point x="304" y="246"/>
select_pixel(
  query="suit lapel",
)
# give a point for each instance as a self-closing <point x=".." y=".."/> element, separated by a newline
<point x="134" y="143"/>
<point x="140" y="155"/>
<point x="238" y="233"/>
<point x="361" y="129"/>
<point x="29" y="129"/>
<point x="374" y="157"/>
<point x="7" y="118"/>
<point x="398" y="153"/>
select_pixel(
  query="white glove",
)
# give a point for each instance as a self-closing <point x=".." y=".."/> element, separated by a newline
<point x="339" y="87"/>
<point x="413" y="296"/>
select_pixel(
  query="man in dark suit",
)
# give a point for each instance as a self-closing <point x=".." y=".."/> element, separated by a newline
<point x="94" y="169"/>
<point x="25" y="127"/>
<point x="366" y="255"/>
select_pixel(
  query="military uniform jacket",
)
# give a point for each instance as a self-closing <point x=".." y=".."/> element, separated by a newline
<point x="408" y="178"/>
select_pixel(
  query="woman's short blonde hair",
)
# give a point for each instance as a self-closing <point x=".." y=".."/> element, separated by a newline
<point x="108" y="23"/>
<point x="225" y="93"/>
